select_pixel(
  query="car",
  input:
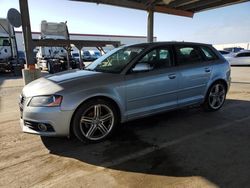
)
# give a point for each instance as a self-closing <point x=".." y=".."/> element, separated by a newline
<point x="225" y="53"/>
<point x="97" y="55"/>
<point x="240" y="58"/>
<point x="127" y="83"/>
<point x="233" y="49"/>
<point x="87" y="56"/>
<point x="91" y="55"/>
<point x="76" y="56"/>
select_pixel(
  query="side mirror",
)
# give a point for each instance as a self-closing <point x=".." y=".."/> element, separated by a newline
<point x="142" y="67"/>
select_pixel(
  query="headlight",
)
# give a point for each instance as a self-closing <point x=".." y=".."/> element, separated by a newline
<point x="46" y="101"/>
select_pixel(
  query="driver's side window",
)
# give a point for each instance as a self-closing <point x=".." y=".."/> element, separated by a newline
<point x="149" y="57"/>
<point x="157" y="58"/>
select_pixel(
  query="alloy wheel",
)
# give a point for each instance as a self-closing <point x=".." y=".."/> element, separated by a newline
<point x="217" y="96"/>
<point x="97" y="122"/>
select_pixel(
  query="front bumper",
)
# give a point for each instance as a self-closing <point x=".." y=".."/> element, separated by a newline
<point x="57" y="120"/>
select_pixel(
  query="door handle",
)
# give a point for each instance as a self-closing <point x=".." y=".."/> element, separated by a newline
<point x="207" y="70"/>
<point x="172" y="76"/>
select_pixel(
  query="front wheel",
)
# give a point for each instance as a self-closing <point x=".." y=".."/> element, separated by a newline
<point x="215" y="97"/>
<point x="95" y="120"/>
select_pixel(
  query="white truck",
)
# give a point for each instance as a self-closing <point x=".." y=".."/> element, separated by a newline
<point x="54" y="59"/>
<point x="9" y="60"/>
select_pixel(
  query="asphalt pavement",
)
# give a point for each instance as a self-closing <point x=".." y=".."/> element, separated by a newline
<point x="181" y="148"/>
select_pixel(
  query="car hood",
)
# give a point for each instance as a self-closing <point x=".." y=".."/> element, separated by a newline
<point x="69" y="81"/>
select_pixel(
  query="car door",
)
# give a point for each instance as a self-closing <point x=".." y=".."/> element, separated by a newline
<point x="242" y="58"/>
<point x="152" y="89"/>
<point x="195" y="73"/>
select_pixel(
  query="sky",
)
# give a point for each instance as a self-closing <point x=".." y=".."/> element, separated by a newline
<point x="229" y="24"/>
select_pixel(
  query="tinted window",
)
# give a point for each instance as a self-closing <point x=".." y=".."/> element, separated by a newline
<point x="244" y="54"/>
<point x="4" y="41"/>
<point x="75" y="55"/>
<point x="210" y="55"/>
<point x="223" y="52"/>
<point x="188" y="55"/>
<point x="97" y="53"/>
<point x="234" y="49"/>
<point x="157" y="58"/>
<point x="86" y="53"/>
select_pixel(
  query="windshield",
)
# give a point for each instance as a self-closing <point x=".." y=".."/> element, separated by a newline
<point x="116" y="60"/>
<point x="97" y="53"/>
<point x="4" y="41"/>
<point x="75" y="55"/>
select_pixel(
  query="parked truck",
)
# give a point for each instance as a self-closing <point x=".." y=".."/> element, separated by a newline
<point x="54" y="59"/>
<point x="9" y="60"/>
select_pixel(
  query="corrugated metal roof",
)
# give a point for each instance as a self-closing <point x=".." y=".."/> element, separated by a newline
<point x="175" y="7"/>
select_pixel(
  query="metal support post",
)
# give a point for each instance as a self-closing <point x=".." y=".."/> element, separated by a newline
<point x="80" y="59"/>
<point x="81" y="63"/>
<point x="101" y="50"/>
<point x="150" y="34"/>
<point x="30" y="73"/>
<point x="27" y="32"/>
<point x="68" y="49"/>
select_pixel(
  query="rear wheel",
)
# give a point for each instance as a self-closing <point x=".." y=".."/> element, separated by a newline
<point x="95" y="120"/>
<point x="215" y="97"/>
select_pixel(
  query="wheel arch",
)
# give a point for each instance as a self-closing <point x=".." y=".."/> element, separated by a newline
<point x="212" y="83"/>
<point x="215" y="81"/>
<point x="106" y="98"/>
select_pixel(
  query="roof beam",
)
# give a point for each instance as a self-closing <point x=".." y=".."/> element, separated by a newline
<point x="177" y="3"/>
<point x="140" y="6"/>
<point x="217" y="4"/>
<point x="83" y="43"/>
<point x="164" y="9"/>
<point x="150" y="3"/>
<point x="198" y="4"/>
<point x="120" y="3"/>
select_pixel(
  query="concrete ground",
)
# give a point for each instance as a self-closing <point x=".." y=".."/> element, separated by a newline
<point x="183" y="148"/>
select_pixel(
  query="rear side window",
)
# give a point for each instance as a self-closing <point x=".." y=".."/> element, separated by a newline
<point x="209" y="54"/>
<point x="245" y="54"/>
<point x="188" y="55"/>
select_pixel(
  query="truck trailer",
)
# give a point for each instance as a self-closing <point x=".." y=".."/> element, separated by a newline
<point x="54" y="59"/>
<point x="9" y="57"/>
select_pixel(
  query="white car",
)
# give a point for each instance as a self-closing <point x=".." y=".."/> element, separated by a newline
<point x="240" y="58"/>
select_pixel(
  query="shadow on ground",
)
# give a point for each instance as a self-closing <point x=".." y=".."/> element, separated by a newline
<point x="221" y="156"/>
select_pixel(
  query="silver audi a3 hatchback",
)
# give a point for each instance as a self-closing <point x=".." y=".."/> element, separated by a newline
<point x="127" y="83"/>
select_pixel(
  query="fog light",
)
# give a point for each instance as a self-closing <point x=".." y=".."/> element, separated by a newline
<point x="42" y="127"/>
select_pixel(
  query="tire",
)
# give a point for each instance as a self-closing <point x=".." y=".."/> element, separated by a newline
<point x="51" y="68"/>
<point x="95" y="121"/>
<point x="215" y="97"/>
